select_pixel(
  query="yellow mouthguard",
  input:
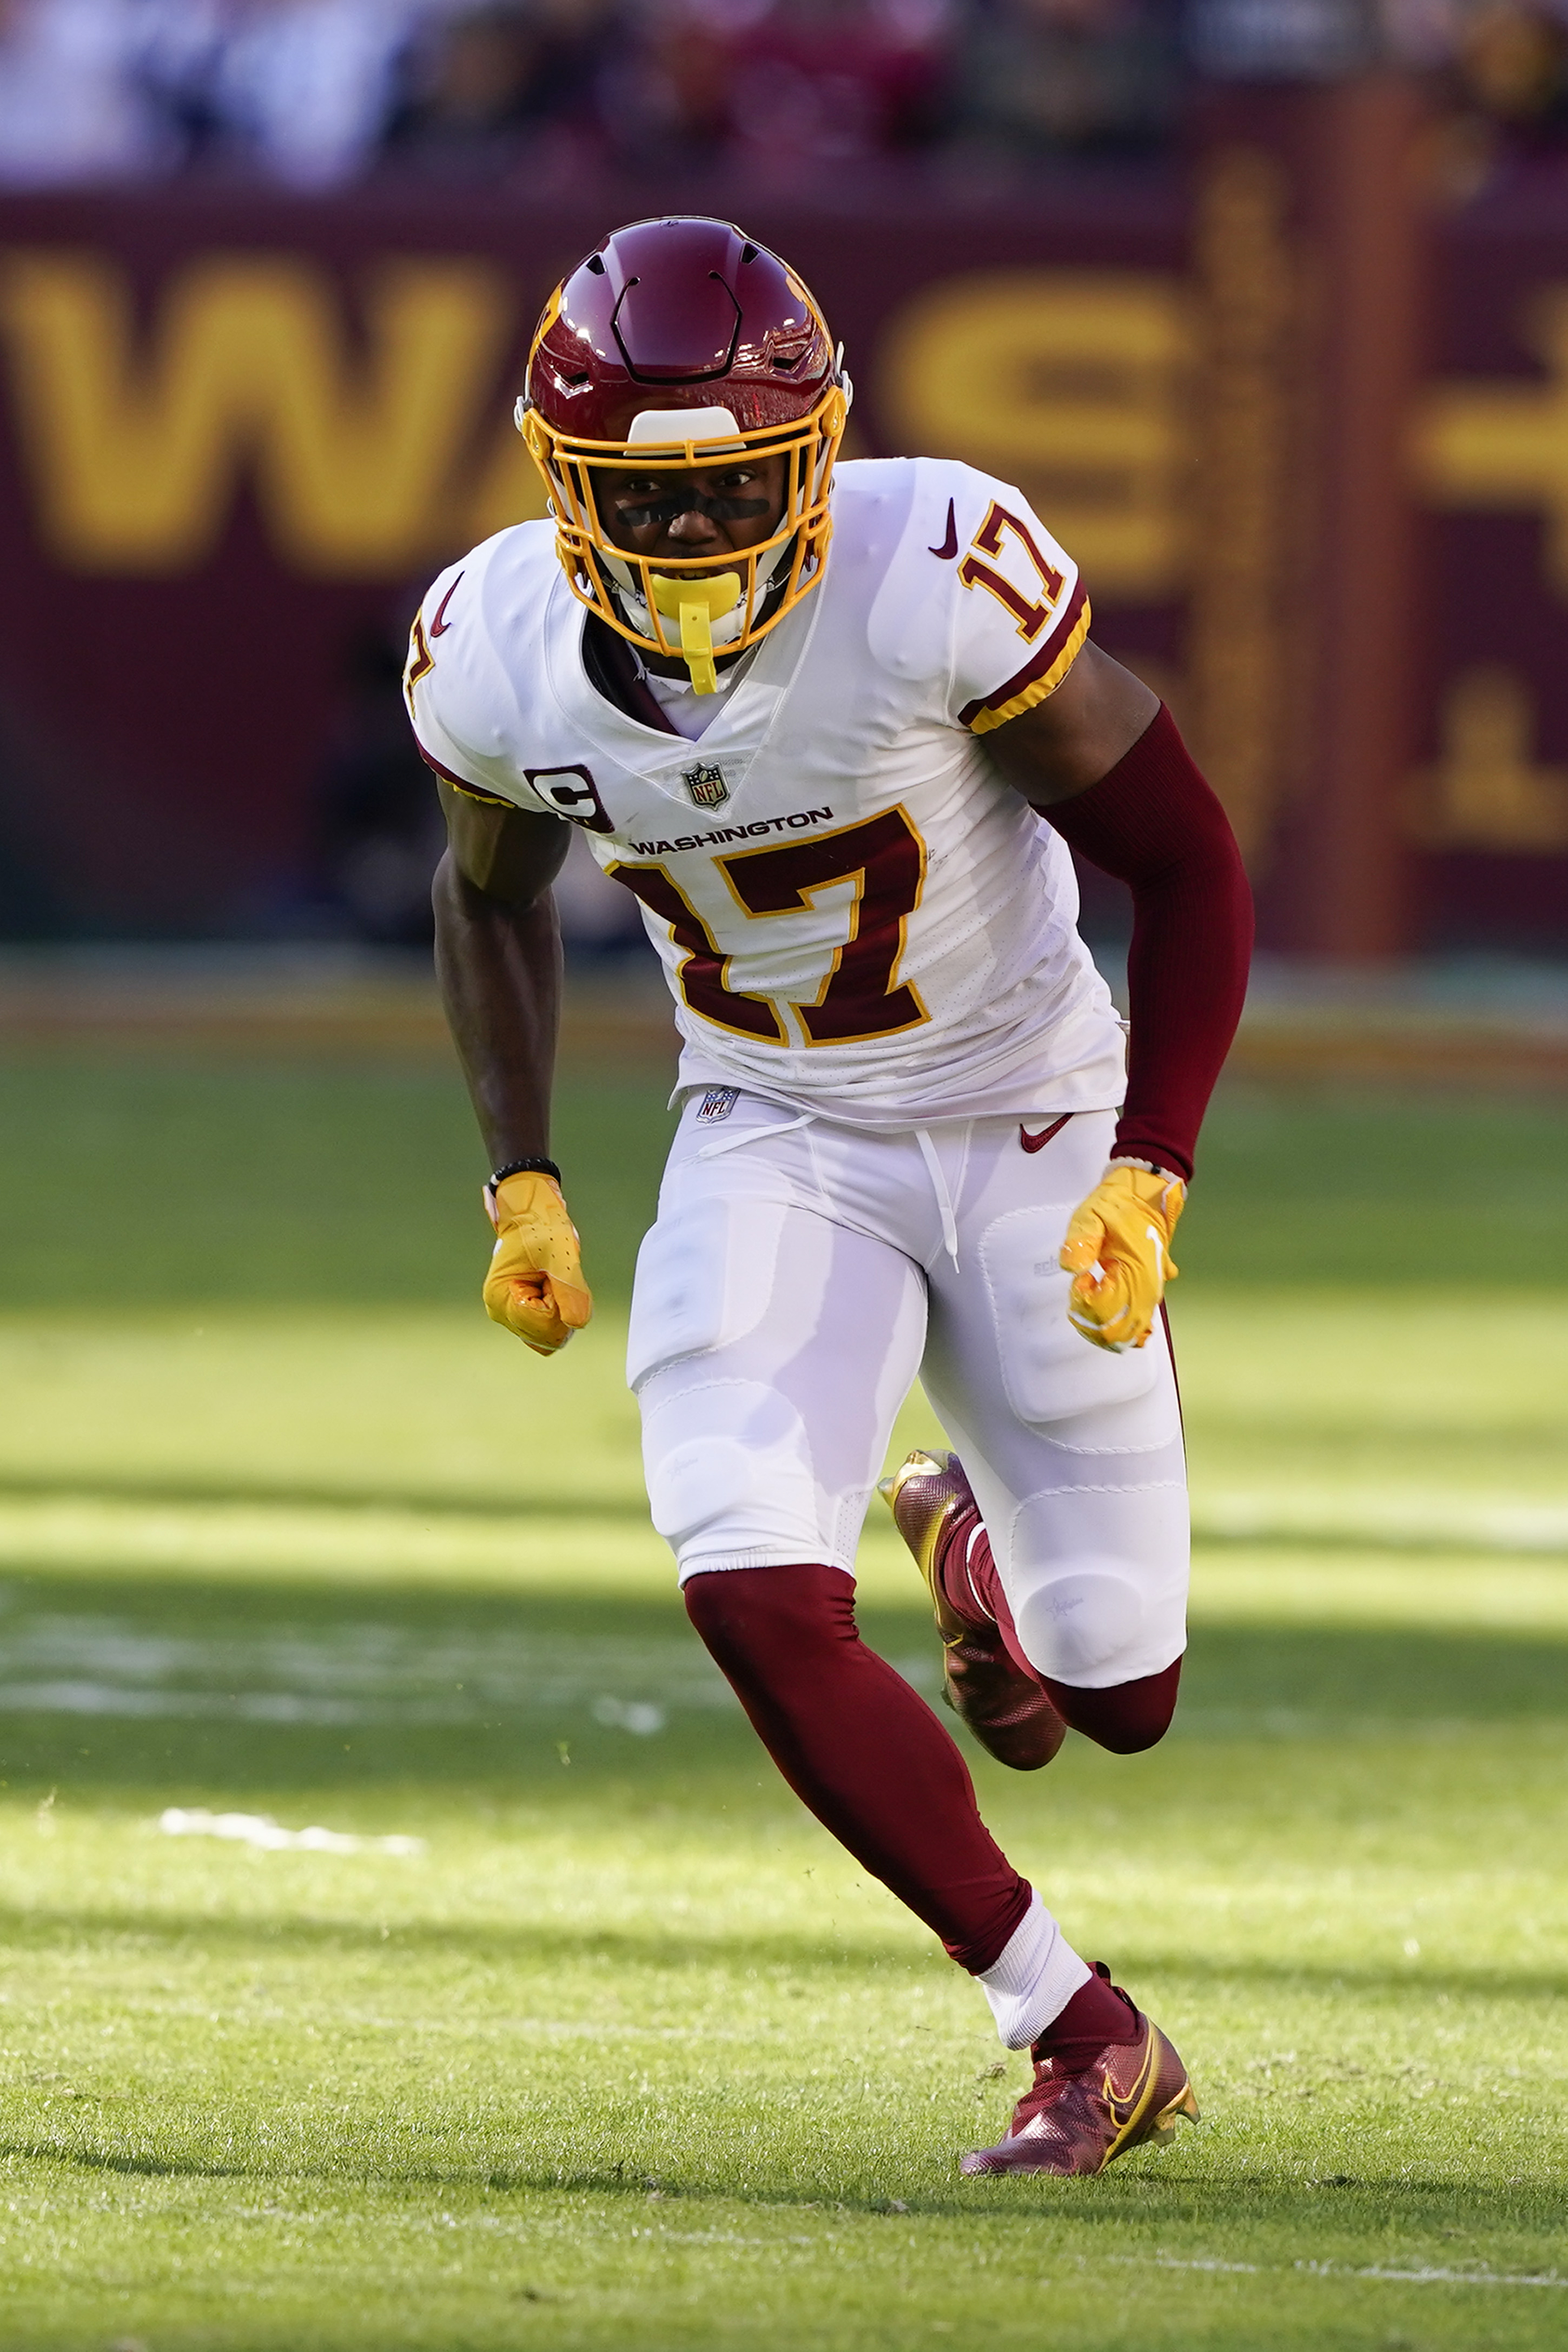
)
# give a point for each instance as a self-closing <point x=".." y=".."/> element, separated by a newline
<point x="697" y="605"/>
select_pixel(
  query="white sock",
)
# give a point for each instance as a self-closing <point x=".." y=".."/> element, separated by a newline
<point x="1034" y="1977"/>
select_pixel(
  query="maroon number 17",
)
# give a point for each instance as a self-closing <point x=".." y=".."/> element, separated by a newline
<point x="885" y="859"/>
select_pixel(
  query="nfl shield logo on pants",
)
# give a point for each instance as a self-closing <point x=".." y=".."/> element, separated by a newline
<point x="707" y="786"/>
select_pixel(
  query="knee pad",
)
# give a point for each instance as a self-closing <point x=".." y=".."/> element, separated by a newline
<point x="1096" y="1577"/>
<point x="1080" y="1619"/>
<point x="729" y="1470"/>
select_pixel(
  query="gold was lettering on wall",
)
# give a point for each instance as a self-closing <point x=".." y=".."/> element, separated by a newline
<point x="1502" y="444"/>
<point x="1071" y="384"/>
<point x="1489" y="792"/>
<point x="135" y="445"/>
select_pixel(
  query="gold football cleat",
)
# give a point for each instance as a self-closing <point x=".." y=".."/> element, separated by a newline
<point x="1133" y="2095"/>
<point x="1009" y="1714"/>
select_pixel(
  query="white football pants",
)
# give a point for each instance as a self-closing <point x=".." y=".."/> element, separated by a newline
<point x="802" y="1272"/>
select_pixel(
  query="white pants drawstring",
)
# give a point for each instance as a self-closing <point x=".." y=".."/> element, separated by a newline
<point x="753" y="1135"/>
<point x="943" y="1197"/>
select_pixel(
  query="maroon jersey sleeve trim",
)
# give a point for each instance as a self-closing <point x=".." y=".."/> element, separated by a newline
<point x="1041" y="673"/>
<point x="458" y="784"/>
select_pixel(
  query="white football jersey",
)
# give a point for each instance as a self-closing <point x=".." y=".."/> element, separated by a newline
<point x="856" y="916"/>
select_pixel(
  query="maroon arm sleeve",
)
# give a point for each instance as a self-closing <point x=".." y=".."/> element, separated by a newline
<point x="1154" y="824"/>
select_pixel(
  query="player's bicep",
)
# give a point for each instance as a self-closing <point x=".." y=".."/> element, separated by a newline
<point x="506" y="852"/>
<point x="1067" y="742"/>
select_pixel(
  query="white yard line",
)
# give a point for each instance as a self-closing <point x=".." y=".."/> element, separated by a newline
<point x="261" y="1830"/>
<point x="1422" y="2275"/>
<point x="1431" y="2275"/>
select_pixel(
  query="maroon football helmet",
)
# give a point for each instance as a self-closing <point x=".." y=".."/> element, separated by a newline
<point x="677" y="343"/>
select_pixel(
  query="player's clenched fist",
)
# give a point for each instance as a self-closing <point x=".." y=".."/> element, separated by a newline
<point x="1119" y="1247"/>
<point x="535" y="1283"/>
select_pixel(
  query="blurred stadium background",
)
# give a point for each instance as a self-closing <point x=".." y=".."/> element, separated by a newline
<point x="1263" y="300"/>
<point x="1266" y="304"/>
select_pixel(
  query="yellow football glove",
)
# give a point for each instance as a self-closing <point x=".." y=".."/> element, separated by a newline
<point x="535" y="1283"/>
<point x="1119" y="1247"/>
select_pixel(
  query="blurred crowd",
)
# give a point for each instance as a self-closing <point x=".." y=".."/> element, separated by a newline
<point x="315" y="93"/>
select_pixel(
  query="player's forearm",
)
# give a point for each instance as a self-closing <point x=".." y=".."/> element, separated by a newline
<point x="1154" y="823"/>
<point x="498" y="964"/>
<point x="1186" y="984"/>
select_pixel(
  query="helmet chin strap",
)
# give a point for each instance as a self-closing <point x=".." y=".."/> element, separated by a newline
<point x="707" y="609"/>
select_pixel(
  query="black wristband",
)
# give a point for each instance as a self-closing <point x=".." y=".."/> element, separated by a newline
<point x="524" y="1168"/>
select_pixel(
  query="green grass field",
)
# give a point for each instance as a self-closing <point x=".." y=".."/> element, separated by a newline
<point x="623" y="2051"/>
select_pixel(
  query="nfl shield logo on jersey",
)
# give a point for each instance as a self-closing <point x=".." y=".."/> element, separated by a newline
<point x="706" y="785"/>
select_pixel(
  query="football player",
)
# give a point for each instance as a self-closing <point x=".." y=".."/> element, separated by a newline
<point x="837" y="727"/>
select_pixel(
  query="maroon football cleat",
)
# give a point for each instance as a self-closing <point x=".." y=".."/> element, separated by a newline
<point x="1009" y="1714"/>
<point x="1129" y="2095"/>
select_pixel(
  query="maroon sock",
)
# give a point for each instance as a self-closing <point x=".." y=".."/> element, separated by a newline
<point x="1126" y="1718"/>
<point x="860" y="1748"/>
<point x="1096" y="2014"/>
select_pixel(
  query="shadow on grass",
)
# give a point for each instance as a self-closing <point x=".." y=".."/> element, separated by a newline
<point x="1148" y="2186"/>
<point x="1336" y="2210"/>
<point x="145" y="2168"/>
<point x="108" y="1653"/>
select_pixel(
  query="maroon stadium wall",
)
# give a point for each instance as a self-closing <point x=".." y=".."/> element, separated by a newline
<point x="239" y="430"/>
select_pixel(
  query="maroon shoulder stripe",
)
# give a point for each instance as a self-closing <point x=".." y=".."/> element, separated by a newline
<point x="1047" y="652"/>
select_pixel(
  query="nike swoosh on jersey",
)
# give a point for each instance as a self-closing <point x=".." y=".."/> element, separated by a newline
<point x="948" y="547"/>
<point x="440" y="625"/>
<point x="1039" y="1142"/>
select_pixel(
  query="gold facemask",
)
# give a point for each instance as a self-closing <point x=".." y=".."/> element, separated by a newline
<point x="670" y="608"/>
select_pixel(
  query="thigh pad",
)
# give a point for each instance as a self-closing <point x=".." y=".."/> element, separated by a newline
<point x="1050" y="1374"/>
<point x="705" y="1279"/>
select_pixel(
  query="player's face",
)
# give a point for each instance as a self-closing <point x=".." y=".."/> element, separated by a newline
<point x="689" y="513"/>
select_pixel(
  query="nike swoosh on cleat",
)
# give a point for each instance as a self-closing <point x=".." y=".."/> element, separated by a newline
<point x="440" y="625"/>
<point x="1127" y="2112"/>
<point x="948" y="547"/>
<point x="1039" y="1142"/>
